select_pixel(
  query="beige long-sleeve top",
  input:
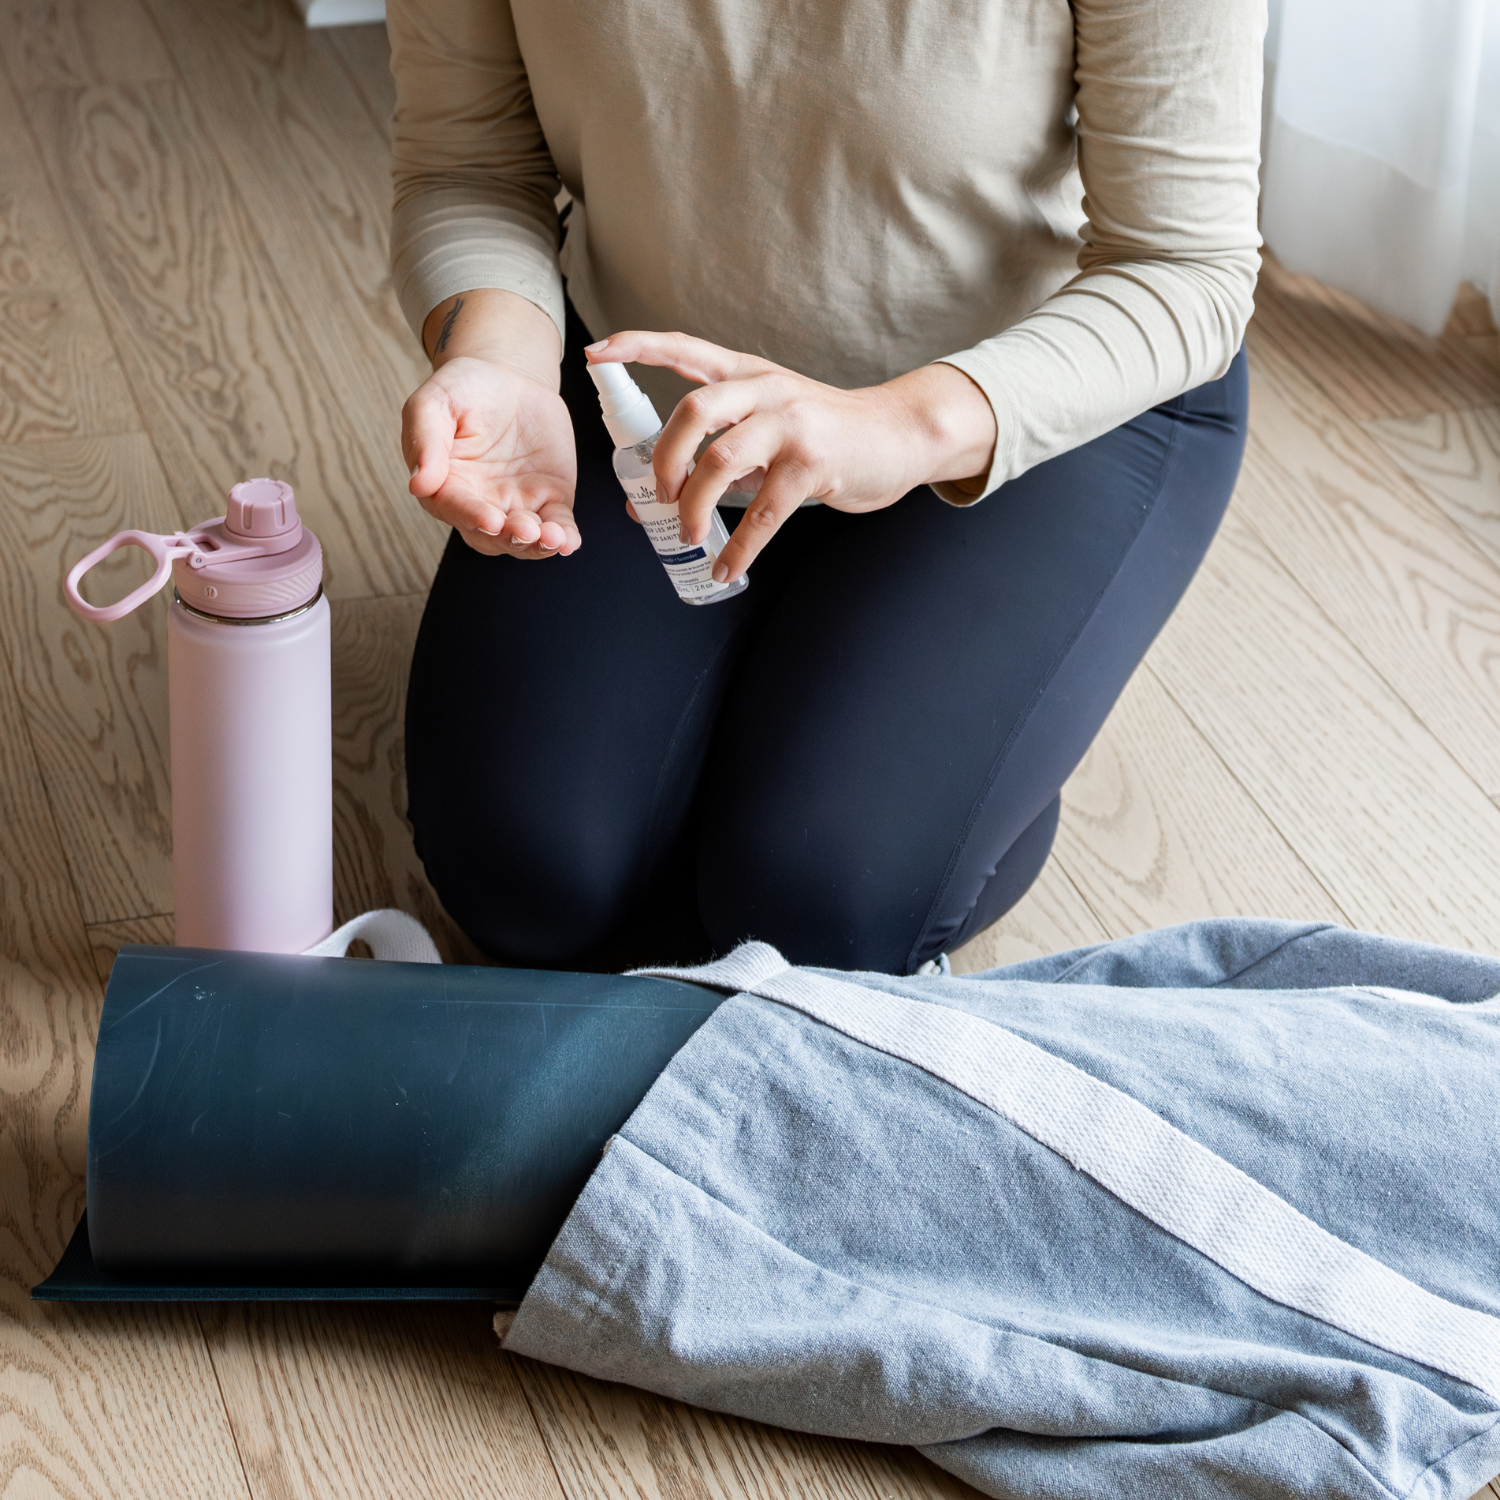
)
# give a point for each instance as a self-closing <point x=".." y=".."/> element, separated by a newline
<point x="1059" y="199"/>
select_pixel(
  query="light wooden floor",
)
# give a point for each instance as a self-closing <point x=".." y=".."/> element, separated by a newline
<point x="193" y="289"/>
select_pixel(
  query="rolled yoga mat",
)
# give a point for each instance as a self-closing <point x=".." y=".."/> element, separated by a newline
<point x="266" y="1126"/>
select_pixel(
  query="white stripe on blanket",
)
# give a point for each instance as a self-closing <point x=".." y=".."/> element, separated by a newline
<point x="1142" y="1159"/>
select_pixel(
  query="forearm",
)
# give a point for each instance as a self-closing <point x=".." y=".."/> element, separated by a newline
<point x="474" y="181"/>
<point x="1116" y="341"/>
<point x="1169" y="255"/>
<point x="497" y="326"/>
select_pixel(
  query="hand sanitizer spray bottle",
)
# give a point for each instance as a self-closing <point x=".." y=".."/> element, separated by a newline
<point x="635" y="427"/>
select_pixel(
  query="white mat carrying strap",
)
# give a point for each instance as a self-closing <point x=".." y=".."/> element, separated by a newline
<point x="392" y="935"/>
<point x="1181" y="1186"/>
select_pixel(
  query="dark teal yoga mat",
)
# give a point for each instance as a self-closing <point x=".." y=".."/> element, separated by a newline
<point x="77" y="1279"/>
<point x="264" y="1126"/>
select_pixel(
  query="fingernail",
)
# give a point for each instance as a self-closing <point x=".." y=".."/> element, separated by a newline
<point x="516" y="541"/>
<point x="483" y="532"/>
<point x="595" y="348"/>
<point x="721" y="572"/>
<point x="546" y="546"/>
<point x="684" y="533"/>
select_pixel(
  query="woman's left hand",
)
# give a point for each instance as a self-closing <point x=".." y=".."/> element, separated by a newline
<point x="785" y="438"/>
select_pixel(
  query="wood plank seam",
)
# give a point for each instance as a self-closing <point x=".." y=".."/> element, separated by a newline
<point x="1405" y="443"/>
<point x="536" y="1421"/>
<point x="1355" y="782"/>
<point x="1357" y="648"/>
<point x="189" y="307"/>
<point x="234" y="1436"/>
<point x="383" y="126"/>
<point x="36" y="760"/>
<point x="1079" y="892"/>
<point x="1367" y="364"/>
<point x="1391" y="472"/>
<point x="1268" y="540"/>
<point x="63" y="219"/>
<point x="1150" y="798"/>
<point x="1249" y="794"/>
<point x="1324" y="497"/>
<point x="383" y="361"/>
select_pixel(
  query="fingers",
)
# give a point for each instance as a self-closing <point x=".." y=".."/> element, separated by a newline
<point x="428" y="427"/>
<point x="750" y="447"/>
<point x="786" y="487"/>
<point x="557" y="532"/>
<point x="528" y="516"/>
<point x="501" y="514"/>
<point x="548" y="531"/>
<point x="492" y="454"/>
<point x="490" y="546"/>
<point x="697" y="359"/>
<point x="710" y="409"/>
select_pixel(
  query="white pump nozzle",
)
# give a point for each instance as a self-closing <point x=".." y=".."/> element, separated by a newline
<point x="628" y="412"/>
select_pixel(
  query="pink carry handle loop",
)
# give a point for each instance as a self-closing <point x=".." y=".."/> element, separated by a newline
<point x="261" y="521"/>
<point x="163" y="548"/>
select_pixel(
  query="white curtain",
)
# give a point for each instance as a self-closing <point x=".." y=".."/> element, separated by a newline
<point x="1382" y="151"/>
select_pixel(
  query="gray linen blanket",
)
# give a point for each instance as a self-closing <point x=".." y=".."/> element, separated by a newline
<point x="1209" y="1211"/>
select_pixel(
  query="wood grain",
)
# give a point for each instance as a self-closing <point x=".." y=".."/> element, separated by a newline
<point x="95" y="696"/>
<point x="1370" y="366"/>
<point x="1157" y="830"/>
<point x="1470" y="317"/>
<point x="1419" y="600"/>
<point x="1454" y="459"/>
<point x="1482" y="346"/>
<point x="112" y="1403"/>
<point x="49" y="1011"/>
<point x="365" y="52"/>
<point x="904" y="1474"/>
<point x="1396" y="832"/>
<point x="107" y="938"/>
<point x="1050" y="918"/>
<point x="96" y="1402"/>
<point x="192" y="246"/>
<point x="610" y="1442"/>
<point x="69" y="43"/>
<point x="210" y="345"/>
<point x="1471" y="326"/>
<point x="59" y="376"/>
<point x="315" y="176"/>
<point x="351" y="1402"/>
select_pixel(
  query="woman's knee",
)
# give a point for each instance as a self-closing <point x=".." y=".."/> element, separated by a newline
<point x="819" y="898"/>
<point x="856" y="896"/>
<point x="533" y="889"/>
<point x="973" y="900"/>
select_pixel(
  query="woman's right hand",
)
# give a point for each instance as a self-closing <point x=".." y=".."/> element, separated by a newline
<point x="488" y="438"/>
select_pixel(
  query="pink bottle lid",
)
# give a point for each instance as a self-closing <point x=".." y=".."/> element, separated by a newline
<point x="263" y="514"/>
<point x="254" y="562"/>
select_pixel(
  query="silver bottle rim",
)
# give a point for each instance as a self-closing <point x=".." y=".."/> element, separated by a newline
<point x="291" y="614"/>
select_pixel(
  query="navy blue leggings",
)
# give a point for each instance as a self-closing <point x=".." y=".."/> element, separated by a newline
<point x="858" y="759"/>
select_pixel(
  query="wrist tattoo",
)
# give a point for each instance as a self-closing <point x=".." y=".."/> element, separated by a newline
<point x="447" y="328"/>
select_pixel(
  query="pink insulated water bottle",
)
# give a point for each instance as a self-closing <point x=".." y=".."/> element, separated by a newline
<point x="252" y="736"/>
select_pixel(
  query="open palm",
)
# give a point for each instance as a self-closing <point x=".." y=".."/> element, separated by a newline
<point x="492" y="454"/>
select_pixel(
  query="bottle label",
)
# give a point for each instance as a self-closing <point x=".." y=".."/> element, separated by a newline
<point x="690" y="568"/>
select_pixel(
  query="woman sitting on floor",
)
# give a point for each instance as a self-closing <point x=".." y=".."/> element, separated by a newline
<point x="979" y="427"/>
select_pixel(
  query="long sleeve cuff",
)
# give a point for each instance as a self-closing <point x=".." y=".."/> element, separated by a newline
<point x="1114" y="342"/>
<point x="444" y="241"/>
